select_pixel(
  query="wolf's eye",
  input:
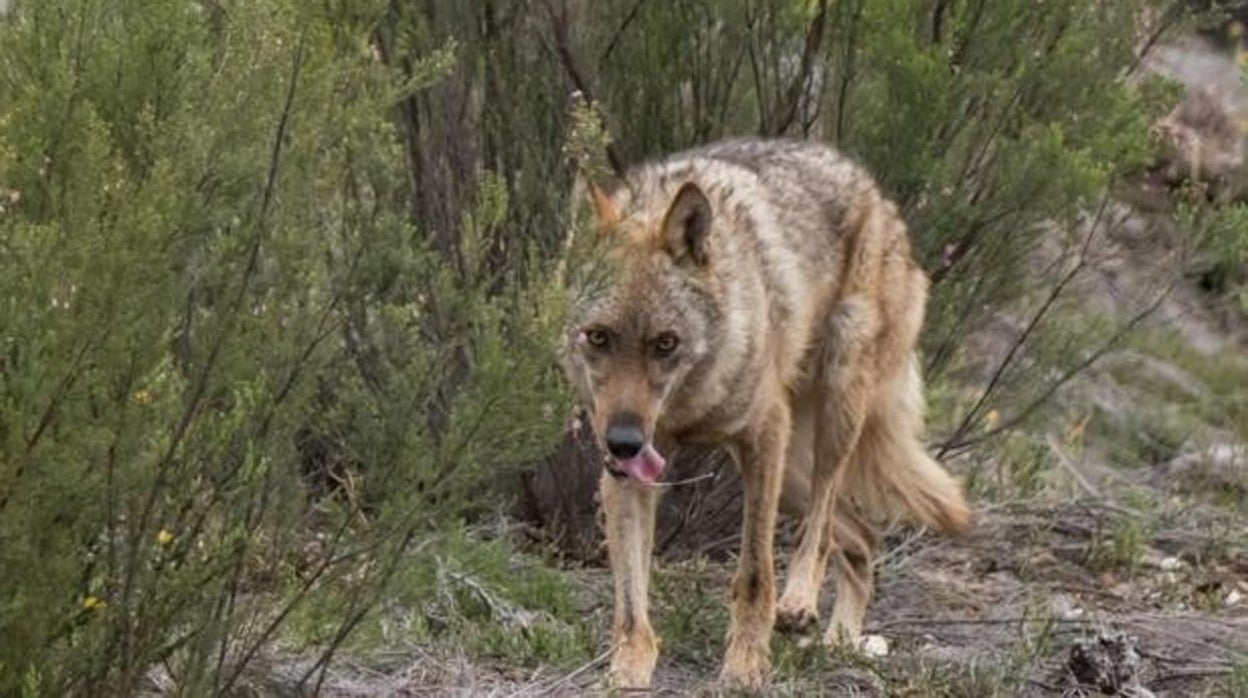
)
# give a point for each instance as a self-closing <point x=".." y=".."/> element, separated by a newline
<point x="596" y="338"/>
<point x="666" y="344"/>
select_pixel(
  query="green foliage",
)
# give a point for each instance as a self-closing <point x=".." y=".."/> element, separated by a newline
<point x="1237" y="683"/>
<point x="461" y="591"/>
<point x="223" y="337"/>
<point x="1174" y="397"/>
<point x="1121" y="547"/>
<point x="689" y="612"/>
<point x="1015" y="470"/>
<point x="1222" y="259"/>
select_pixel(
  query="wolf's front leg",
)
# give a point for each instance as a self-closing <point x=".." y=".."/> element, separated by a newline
<point x="761" y="451"/>
<point x="628" y="507"/>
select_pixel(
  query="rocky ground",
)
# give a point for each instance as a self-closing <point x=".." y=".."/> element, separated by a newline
<point x="1070" y="598"/>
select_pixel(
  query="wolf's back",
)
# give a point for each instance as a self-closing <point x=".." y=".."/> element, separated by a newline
<point x="809" y="186"/>
<point x="784" y="204"/>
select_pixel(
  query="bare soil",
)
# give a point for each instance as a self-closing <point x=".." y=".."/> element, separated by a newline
<point x="1025" y="604"/>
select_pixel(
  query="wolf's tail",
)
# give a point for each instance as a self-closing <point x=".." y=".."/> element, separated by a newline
<point x="891" y="473"/>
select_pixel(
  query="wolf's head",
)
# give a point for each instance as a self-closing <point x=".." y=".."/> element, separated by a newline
<point x="635" y="339"/>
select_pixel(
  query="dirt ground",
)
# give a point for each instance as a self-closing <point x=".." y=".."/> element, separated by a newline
<point x="1033" y="601"/>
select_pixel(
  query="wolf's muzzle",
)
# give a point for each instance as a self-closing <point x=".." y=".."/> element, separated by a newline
<point x="625" y="436"/>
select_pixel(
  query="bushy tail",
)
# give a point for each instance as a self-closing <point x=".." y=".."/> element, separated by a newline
<point x="891" y="473"/>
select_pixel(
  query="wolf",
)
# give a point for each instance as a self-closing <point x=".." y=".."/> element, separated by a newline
<point x="762" y="297"/>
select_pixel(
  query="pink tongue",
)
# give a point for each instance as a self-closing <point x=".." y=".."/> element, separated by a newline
<point x="645" y="467"/>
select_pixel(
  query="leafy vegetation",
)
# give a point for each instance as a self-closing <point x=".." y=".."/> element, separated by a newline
<point x="226" y="349"/>
<point x="280" y="282"/>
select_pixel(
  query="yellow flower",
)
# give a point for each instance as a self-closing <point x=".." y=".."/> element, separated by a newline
<point x="164" y="537"/>
<point x="91" y="603"/>
<point x="143" y="397"/>
<point x="991" y="418"/>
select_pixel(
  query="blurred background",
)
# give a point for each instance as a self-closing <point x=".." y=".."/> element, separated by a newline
<point x="280" y="290"/>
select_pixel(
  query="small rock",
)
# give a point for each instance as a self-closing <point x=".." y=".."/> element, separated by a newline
<point x="1170" y="564"/>
<point x="1221" y="464"/>
<point x="874" y="645"/>
<point x="1233" y="597"/>
<point x="1063" y="606"/>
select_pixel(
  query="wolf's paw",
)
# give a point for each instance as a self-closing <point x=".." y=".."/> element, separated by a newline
<point x="632" y="664"/>
<point x="747" y="666"/>
<point x="839" y="636"/>
<point x="795" y="620"/>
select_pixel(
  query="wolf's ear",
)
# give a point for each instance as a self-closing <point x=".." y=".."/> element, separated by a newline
<point x="687" y="226"/>
<point x="586" y="193"/>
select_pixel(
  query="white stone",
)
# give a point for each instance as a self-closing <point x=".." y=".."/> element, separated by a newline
<point x="874" y="645"/>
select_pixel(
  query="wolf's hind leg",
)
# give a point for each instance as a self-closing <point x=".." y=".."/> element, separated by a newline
<point x="797" y="608"/>
<point x="629" y="512"/>
<point x="852" y="570"/>
<point x="842" y="395"/>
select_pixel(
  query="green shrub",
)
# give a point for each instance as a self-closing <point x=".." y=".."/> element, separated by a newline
<point x="235" y="374"/>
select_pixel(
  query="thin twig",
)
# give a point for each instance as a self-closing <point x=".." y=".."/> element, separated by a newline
<point x="1194" y="672"/>
<point x="250" y="270"/>
<point x="938" y="20"/>
<point x="1109" y="345"/>
<point x="800" y="87"/>
<point x="619" y="33"/>
<point x="687" y="481"/>
<point x="1168" y="19"/>
<point x="899" y="550"/>
<point x="353" y="620"/>
<point x="973" y="414"/>
<point x="549" y="688"/>
<point x="1065" y="462"/>
<point x="559" y="29"/>
<point x="847" y="72"/>
<point x="76" y="368"/>
<point x="1014" y="620"/>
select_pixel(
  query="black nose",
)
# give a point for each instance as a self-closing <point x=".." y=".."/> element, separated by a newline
<point x="625" y="437"/>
